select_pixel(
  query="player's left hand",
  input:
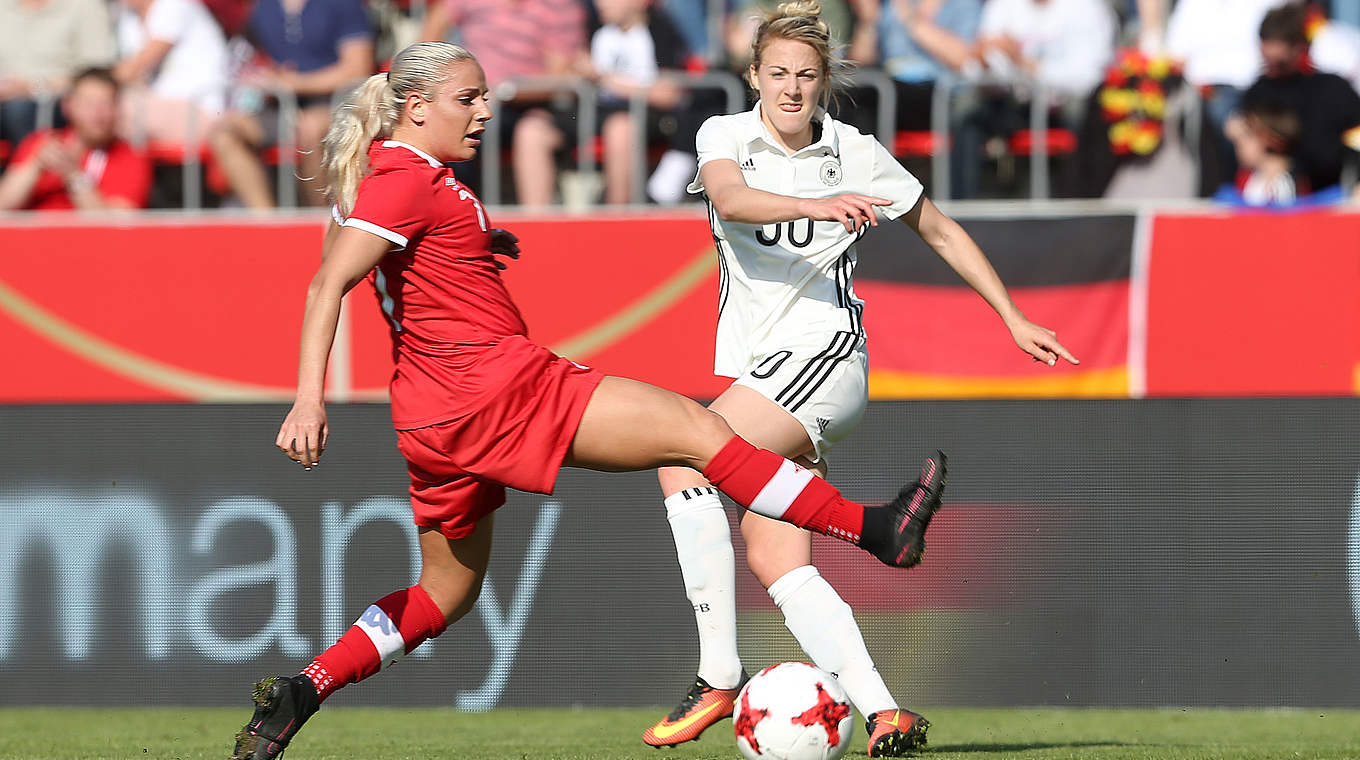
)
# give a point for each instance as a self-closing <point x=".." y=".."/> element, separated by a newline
<point x="1040" y="343"/>
<point x="504" y="243"/>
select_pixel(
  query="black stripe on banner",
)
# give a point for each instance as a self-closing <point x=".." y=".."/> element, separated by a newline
<point x="1031" y="252"/>
<point x="824" y="370"/>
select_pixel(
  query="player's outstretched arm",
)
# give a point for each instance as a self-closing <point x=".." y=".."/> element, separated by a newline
<point x="735" y="201"/>
<point x="349" y="255"/>
<point x="960" y="252"/>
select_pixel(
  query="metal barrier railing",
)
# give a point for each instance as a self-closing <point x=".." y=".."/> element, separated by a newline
<point x="191" y="168"/>
<point x="1187" y="102"/>
<point x="47" y="109"/>
<point x="584" y="91"/>
<point x="886" y="116"/>
<point x="941" y="118"/>
<point x="637" y="112"/>
<point x="45" y="106"/>
<point x="940" y="102"/>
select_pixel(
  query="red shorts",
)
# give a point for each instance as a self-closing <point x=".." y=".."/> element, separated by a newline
<point x="518" y="438"/>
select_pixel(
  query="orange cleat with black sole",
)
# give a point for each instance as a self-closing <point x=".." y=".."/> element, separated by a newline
<point x="702" y="707"/>
<point x="894" y="733"/>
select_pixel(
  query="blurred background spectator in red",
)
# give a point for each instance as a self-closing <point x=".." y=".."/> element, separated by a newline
<point x="309" y="51"/>
<point x="173" y="66"/>
<point x="1061" y="45"/>
<point x="42" y="44"/>
<point x="514" y="40"/>
<point x="84" y="165"/>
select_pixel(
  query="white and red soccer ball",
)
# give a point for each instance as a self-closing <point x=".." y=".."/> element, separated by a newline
<point x="792" y="711"/>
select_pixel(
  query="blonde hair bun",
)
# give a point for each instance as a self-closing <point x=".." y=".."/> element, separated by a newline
<point x="798" y="9"/>
<point x="801" y="21"/>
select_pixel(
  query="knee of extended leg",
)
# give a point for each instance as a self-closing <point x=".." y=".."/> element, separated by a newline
<point x="711" y="426"/>
<point x="465" y="606"/>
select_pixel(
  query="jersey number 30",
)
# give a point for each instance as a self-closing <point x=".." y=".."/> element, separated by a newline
<point x="793" y="234"/>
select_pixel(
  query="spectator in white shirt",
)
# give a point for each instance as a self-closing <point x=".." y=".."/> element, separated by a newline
<point x="43" y="43"/>
<point x="1062" y="44"/>
<point x="1218" y="42"/>
<point x="1335" y="49"/>
<point x="174" y="60"/>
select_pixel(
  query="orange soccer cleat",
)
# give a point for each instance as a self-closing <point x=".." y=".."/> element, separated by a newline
<point x="893" y="733"/>
<point x="702" y="707"/>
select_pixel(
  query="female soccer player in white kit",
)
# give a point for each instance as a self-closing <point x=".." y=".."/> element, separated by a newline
<point x="790" y="190"/>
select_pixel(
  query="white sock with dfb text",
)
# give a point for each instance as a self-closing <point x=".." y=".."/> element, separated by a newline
<point x="703" y="544"/>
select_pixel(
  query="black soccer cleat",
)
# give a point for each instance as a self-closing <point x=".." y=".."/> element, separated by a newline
<point x="894" y="733"/>
<point x="896" y="531"/>
<point x="282" y="705"/>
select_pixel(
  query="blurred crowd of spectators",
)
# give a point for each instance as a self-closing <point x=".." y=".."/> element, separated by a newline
<point x="99" y="98"/>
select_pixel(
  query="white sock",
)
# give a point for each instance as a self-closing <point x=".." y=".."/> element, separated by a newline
<point x="673" y="172"/>
<point x="825" y="627"/>
<point x="703" y="543"/>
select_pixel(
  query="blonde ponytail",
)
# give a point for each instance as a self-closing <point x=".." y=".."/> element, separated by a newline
<point x="366" y="115"/>
<point x="374" y="109"/>
<point x="801" y="21"/>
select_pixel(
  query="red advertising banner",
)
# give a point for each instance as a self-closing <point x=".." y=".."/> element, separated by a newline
<point x="145" y="308"/>
<point x="161" y="310"/>
<point x="1254" y="304"/>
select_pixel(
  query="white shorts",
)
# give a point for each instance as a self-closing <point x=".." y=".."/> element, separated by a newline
<point x="823" y="381"/>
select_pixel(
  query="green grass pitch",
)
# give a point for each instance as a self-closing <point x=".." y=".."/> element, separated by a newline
<point x="612" y="734"/>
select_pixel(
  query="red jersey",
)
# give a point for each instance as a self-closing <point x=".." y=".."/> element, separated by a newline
<point x="120" y="171"/>
<point x="439" y="285"/>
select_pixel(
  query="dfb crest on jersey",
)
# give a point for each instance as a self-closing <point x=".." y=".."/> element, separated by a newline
<point x="831" y="172"/>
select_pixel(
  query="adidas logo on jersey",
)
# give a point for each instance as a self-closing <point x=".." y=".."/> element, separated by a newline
<point x="749" y="165"/>
<point x="822" y="424"/>
<point x="450" y="182"/>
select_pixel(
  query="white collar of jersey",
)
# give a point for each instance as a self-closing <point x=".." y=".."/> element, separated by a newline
<point x="830" y="142"/>
<point x="399" y="144"/>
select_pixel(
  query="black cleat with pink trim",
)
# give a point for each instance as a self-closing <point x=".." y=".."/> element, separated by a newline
<point x="896" y="531"/>
<point x="282" y="705"/>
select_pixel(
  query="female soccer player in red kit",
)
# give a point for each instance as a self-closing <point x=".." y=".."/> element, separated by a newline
<point x="477" y="406"/>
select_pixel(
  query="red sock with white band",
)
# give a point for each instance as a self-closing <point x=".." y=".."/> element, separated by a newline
<point x="388" y="629"/>
<point x="770" y="485"/>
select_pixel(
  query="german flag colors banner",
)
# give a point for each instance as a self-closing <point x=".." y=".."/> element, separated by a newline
<point x="931" y="336"/>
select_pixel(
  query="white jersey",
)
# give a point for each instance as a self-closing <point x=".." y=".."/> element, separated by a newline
<point x="784" y="282"/>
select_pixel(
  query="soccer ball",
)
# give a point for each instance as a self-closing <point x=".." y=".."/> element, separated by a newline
<point x="792" y="711"/>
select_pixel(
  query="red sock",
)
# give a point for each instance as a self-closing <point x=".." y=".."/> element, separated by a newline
<point x="388" y="629"/>
<point x="770" y="485"/>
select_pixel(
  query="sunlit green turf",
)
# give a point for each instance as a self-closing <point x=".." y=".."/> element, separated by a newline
<point x="609" y="734"/>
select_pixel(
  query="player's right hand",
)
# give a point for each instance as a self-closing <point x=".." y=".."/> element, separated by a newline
<point x="852" y="210"/>
<point x="303" y="434"/>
